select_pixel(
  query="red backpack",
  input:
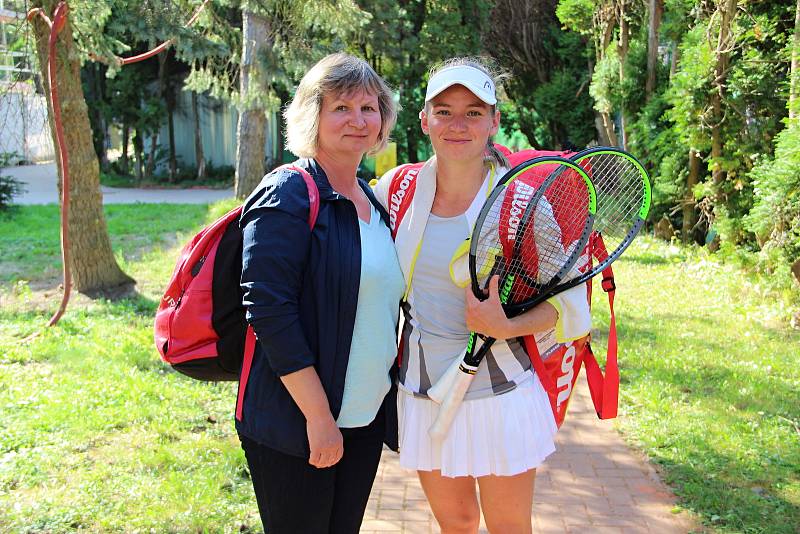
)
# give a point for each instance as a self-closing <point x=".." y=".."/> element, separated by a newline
<point x="200" y="326"/>
<point x="559" y="367"/>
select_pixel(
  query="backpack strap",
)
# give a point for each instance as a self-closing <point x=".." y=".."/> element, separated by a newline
<point x="249" y="351"/>
<point x="250" y="336"/>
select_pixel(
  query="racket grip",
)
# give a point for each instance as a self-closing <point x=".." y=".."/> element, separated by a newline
<point x="449" y="407"/>
<point x="438" y="391"/>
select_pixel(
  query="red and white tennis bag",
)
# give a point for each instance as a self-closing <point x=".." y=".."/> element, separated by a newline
<point x="556" y="364"/>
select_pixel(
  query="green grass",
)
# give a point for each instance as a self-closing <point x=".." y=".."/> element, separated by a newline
<point x="710" y="385"/>
<point x="97" y="434"/>
<point x="30" y="235"/>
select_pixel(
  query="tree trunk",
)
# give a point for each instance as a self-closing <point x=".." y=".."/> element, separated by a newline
<point x="94" y="268"/>
<point x="608" y="124"/>
<point x="676" y="56"/>
<point x="656" y="8"/>
<point x="718" y="92"/>
<point x="199" y="158"/>
<point x="251" y="134"/>
<point x="607" y="17"/>
<point x="599" y="126"/>
<point x="528" y="129"/>
<point x="126" y="139"/>
<point x="603" y="22"/>
<point x="602" y="135"/>
<point x="795" y="69"/>
<point x="138" y="152"/>
<point x="622" y="51"/>
<point x="168" y="94"/>
<point x="689" y="218"/>
<point x="173" y="161"/>
<point x="150" y="167"/>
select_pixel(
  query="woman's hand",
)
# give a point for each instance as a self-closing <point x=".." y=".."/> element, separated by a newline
<point x="324" y="438"/>
<point x="488" y="318"/>
<point x="325" y="441"/>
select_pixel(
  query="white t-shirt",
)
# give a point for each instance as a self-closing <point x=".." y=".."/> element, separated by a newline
<point x="435" y="331"/>
<point x="373" y="348"/>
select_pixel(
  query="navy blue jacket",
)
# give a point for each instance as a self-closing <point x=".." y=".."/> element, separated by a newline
<point x="300" y="291"/>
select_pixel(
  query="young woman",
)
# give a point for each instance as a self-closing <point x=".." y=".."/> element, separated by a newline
<point x="505" y="427"/>
<point x="324" y="307"/>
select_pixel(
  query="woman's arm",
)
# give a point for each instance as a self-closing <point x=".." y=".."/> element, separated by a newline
<point x="487" y="316"/>
<point x="324" y="437"/>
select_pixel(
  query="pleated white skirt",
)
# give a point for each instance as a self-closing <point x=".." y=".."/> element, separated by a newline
<point x="501" y="435"/>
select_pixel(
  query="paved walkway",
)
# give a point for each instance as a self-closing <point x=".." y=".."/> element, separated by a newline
<point x="40" y="182"/>
<point x="593" y="484"/>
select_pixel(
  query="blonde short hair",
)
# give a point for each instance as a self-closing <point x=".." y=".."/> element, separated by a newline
<point x="493" y="155"/>
<point x="334" y="74"/>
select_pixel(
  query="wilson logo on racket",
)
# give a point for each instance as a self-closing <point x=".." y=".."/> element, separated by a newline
<point x="522" y="196"/>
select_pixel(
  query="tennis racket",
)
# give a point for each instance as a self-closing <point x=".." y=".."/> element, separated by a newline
<point x="623" y="194"/>
<point x="531" y="231"/>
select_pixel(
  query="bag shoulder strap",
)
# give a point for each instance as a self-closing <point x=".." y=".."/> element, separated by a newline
<point x="401" y="191"/>
<point x="313" y="193"/>
<point x="250" y="336"/>
<point x="604" y="389"/>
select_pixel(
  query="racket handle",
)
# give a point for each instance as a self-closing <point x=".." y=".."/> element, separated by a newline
<point x="449" y="407"/>
<point x="477" y="358"/>
<point x="438" y="391"/>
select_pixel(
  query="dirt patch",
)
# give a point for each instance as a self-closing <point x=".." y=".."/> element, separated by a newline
<point x="38" y="296"/>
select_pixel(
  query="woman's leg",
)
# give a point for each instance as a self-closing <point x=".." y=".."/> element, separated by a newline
<point x="453" y="501"/>
<point x="507" y="502"/>
<point x="355" y="474"/>
<point x="293" y="496"/>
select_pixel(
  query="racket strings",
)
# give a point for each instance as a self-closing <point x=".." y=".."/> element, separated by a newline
<point x="618" y="183"/>
<point x="530" y="244"/>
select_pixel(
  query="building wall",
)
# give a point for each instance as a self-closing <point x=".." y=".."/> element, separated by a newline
<point x="218" y="128"/>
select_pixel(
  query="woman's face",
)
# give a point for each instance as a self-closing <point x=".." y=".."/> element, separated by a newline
<point x="459" y="124"/>
<point x="349" y="123"/>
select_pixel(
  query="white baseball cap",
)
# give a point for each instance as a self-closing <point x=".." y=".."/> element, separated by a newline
<point x="472" y="78"/>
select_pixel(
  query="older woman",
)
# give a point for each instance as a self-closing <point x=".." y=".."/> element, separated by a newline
<point x="324" y="306"/>
<point x="505" y="427"/>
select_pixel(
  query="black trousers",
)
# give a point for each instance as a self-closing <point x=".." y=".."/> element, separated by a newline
<point x="294" y="497"/>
